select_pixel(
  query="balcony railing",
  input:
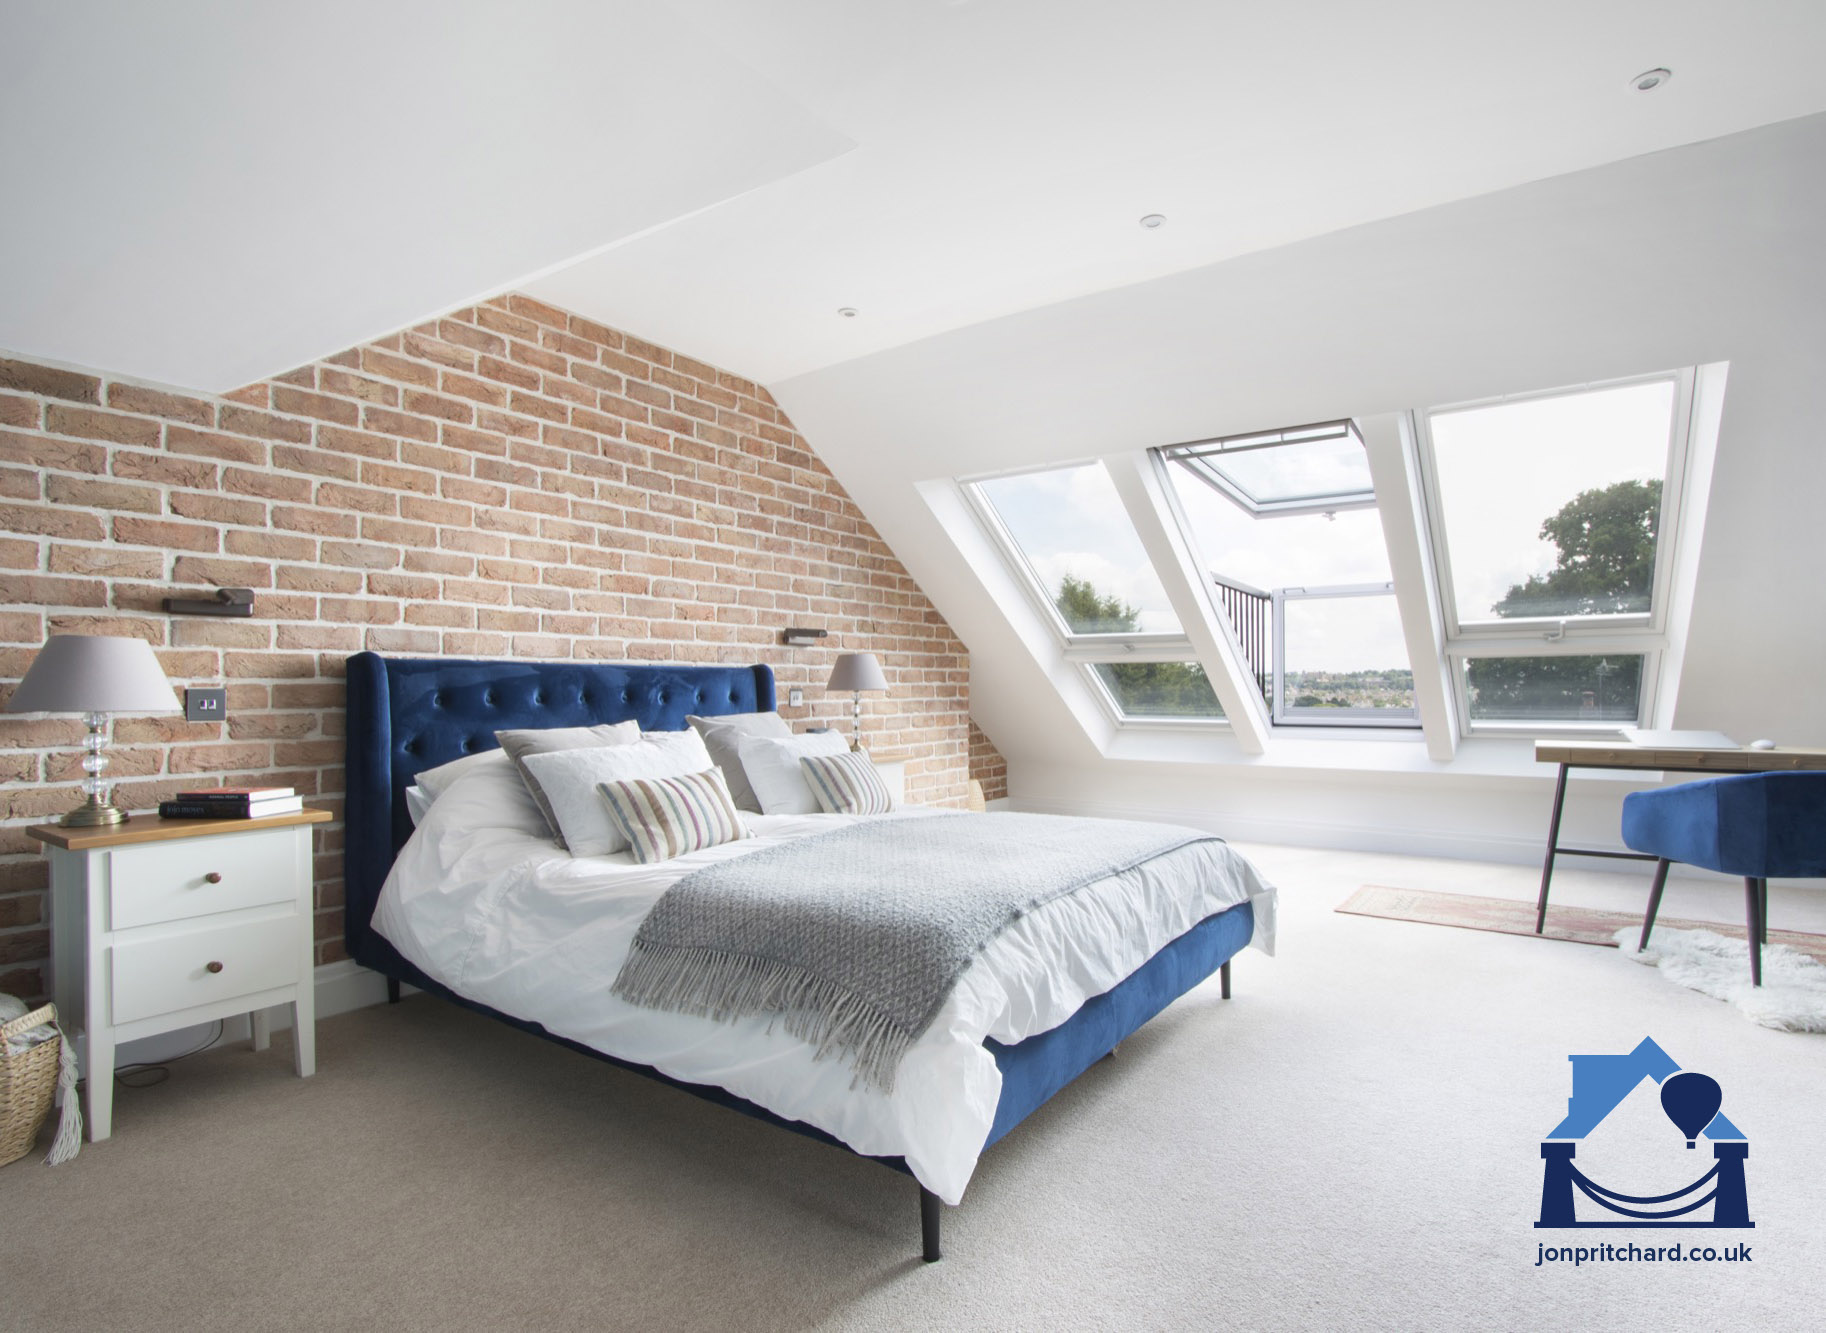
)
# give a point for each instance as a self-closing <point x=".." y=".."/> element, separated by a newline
<point x="1352" y="699"/>
<point x="1251" y="613"/>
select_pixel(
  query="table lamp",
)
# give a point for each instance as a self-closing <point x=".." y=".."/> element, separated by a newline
<point x="94" y="675"/>
<point x="856" y="672"/>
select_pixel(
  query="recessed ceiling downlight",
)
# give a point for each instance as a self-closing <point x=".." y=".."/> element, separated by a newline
<point x="847" y="311"/>
<point x="1153" y="220"/>
<point x="1651" y="79"/>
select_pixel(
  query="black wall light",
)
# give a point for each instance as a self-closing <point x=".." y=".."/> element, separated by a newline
<point x="226" y="602"/>
<point x="799" y="636"/>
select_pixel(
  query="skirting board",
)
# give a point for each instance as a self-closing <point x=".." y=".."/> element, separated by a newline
<point x="1511" y="849"/>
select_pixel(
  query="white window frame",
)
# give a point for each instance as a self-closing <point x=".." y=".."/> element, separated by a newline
<point x="1338" y="721"/>
<point x="1188" y="455"/>
<point x="1145" y="721"/>
<point x="1641" y="634"/>
<point x="1286" y="716"/>
<point x="1085" y="650"/>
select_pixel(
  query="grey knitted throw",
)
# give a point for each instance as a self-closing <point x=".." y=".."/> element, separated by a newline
<point x="856" y="937"/>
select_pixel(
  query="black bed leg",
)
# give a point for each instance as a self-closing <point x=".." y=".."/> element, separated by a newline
<point x="1223" y="980"/>
<point x="392" y="990"/>
<point x="929" y="1216"/>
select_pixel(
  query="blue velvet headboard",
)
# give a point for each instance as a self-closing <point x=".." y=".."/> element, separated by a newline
<point x="406" y="714"/>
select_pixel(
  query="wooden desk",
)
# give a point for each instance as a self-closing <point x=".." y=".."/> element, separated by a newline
<point x="1653" y="759"/>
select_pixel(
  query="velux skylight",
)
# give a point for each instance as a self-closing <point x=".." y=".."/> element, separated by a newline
<point x="1300" y="470"/>
<point x="1286" y="526"/>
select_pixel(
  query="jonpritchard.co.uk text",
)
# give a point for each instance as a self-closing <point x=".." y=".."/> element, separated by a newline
<point x="1622" y="1254"/>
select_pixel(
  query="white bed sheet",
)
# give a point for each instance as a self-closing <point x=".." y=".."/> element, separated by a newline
<point x="512" y="921"/>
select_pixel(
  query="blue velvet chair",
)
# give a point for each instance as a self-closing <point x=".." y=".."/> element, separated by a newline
<point x="1761" y="826"/>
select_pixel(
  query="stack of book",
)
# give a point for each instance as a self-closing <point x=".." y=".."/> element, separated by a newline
<point x="231" y="803"/>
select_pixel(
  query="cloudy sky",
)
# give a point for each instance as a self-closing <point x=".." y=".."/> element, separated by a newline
<point x="1071" y="521"/>
<point x="1506" y="468"/>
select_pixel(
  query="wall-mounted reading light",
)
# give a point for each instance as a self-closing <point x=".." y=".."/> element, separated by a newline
<point x="799" y="636"/>
<point x="226" y="602"/>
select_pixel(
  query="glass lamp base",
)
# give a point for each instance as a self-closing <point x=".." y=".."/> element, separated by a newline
<point x="92" y="813"/>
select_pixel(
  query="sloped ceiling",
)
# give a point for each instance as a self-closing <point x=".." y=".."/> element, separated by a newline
<point x="1709" y="252"/>
<point x="1008" y="148"/>
<point x="203" y="194"/>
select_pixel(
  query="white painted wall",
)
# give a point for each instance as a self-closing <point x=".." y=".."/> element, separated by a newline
<point x="1706" y="253"/>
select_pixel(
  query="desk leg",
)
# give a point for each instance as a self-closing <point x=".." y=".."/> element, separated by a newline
<point x="1553" y="845"/>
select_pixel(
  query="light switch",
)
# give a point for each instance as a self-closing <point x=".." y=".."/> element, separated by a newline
<point x="795" y="697"/>
<point x="205" y="705"/>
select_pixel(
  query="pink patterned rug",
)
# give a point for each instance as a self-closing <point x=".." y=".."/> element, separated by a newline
<point x="1507" y="916"/>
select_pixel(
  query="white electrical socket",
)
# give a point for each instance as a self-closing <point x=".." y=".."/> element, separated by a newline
<point x="795" y="697"/>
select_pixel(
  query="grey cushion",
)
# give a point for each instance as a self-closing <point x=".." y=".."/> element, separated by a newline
<point x="722" y="735"/>
<point x="519" y="744"/>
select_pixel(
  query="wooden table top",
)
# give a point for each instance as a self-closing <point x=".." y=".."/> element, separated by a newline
<point x="1621" y="754"/>
<point x="150" y="828"/>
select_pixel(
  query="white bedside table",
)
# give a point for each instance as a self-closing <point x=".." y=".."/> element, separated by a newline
<point x="159" y="924"/>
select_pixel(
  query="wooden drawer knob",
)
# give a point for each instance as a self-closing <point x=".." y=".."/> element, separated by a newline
<point x="212" y="967"/>
<point x="213" y="877"/>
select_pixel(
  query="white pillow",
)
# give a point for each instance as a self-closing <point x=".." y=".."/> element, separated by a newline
<point x="569" y="778"/>
<point x="721" y="736"/>
<point x="435" y="781"/>
<point x="487" y="795"/>
<point x="772" y="766"/>
<point x="522" y="741"/>
<point x="418" y="800"/>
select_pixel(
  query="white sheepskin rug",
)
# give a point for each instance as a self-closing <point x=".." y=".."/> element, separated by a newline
<point x="1792" y="997"/>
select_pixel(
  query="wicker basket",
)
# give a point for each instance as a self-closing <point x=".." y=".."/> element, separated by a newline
<point x="28" y="1083"/>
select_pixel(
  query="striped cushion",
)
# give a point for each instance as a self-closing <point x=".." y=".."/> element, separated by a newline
<point x="666" y="817"/>
<point x="847" y="784"/>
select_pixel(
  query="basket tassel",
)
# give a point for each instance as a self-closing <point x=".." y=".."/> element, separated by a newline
<point x="69" y="1124"/>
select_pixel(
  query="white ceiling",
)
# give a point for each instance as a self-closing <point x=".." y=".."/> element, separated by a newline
<point x="203" y="193"/>
<point x="1007" y="148"/>
<point x="207" y="193"/>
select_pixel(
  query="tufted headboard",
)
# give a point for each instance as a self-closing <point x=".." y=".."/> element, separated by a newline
<point x="406" y="714"/>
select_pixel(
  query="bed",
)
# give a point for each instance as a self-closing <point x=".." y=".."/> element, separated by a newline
<point x="410" y="715"/>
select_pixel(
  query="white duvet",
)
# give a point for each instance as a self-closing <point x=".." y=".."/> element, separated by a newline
<point x="509" y="919"/>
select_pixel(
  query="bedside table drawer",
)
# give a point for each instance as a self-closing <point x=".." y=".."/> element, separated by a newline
<point x="169" y="881"/>
<point x="157" y="976"/>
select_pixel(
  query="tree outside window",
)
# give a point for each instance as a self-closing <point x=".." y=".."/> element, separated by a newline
<point x="1142" y="689"/>
<point x="1605" y="543"/>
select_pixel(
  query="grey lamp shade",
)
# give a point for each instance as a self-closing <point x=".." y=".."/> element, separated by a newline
<point x="856" y="671"/>
<point x="94" y="673"/>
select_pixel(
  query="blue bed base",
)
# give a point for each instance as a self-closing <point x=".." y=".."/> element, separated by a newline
<point x="409" y="714"/>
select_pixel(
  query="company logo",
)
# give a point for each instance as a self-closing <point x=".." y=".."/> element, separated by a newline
<point x="1692" y="1101"/>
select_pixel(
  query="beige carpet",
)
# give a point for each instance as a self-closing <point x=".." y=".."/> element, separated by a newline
<point x="1350" y="1143"/>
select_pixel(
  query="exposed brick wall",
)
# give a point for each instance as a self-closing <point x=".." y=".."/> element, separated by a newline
<point x="509" y="481"/>
<point x="987" y="765"/>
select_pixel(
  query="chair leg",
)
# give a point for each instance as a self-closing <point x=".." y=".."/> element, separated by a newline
<point x="1654" y="902"/>
<point x="1754" y="928"/>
